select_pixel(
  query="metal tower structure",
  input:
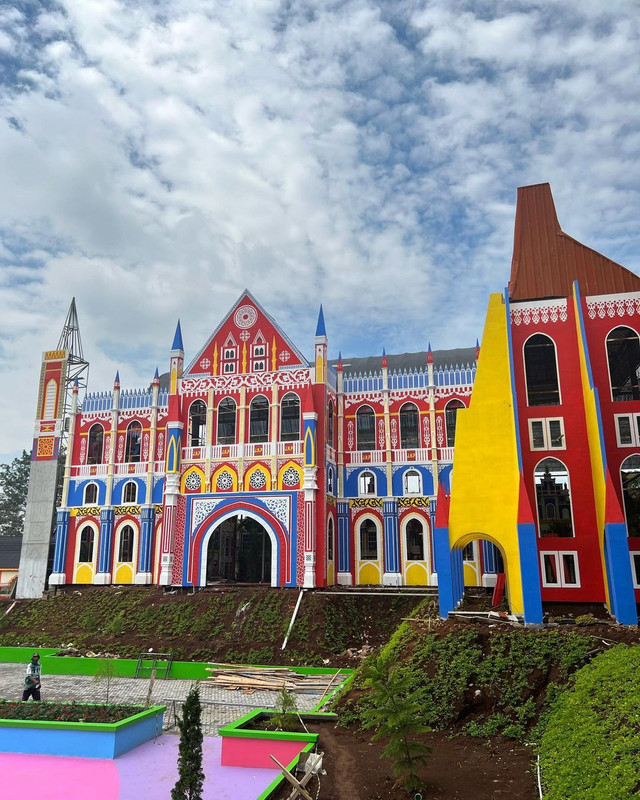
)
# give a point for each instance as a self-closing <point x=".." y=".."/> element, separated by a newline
<point x="78" y="366"/>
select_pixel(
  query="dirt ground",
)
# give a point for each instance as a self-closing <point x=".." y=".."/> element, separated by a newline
<point x="460" y="768"/>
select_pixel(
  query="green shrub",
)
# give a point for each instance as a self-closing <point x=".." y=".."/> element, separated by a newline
<point x="590" y="739"/>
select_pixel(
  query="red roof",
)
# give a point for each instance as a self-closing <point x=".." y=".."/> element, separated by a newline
<point x="546" y="261"/>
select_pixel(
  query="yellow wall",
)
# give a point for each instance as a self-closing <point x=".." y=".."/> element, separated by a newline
<point x="485" y="478"/>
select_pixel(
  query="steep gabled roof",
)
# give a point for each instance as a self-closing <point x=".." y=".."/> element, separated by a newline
<point x="252" y="318"/>
<point x="546" y="261"/>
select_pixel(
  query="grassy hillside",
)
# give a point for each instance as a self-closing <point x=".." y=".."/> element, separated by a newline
<point x="590" y="743"/>
<point x="236" y="624"/>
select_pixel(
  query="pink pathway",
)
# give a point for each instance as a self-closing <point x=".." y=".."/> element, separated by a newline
<point x="147" y="772"/>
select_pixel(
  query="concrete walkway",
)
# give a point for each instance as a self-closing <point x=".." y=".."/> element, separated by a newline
<point x="219" y="706"/>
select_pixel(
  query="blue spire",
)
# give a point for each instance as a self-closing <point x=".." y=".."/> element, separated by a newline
<point x="320" y="328"/>
<point x="177" y="339"/>
<point x="155" y="374"/>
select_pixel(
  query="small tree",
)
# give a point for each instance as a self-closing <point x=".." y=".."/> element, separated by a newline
<point x="105" y="672"/>
<point x="14" y="482"/>
<point x="190" y="774"/>
<point x="396" y="716"/>
<point x="286" y="716"/>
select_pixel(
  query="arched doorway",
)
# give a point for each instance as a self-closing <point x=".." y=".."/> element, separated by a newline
<point x="239" y="549"/>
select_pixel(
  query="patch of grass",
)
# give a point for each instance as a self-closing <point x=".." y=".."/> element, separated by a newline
<point x="590" y="739"/>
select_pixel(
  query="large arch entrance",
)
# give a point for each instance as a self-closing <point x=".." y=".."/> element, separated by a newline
<point x="480" y="562"/>
<point x="239" y="549"/>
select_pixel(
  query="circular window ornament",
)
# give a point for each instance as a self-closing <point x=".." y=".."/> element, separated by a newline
<point x="258" y="480"/>
<point x="193" y="481"/>
<point x="290" y="477"/>
<point x="224" y="481"/>
<point x="245" y="317"/>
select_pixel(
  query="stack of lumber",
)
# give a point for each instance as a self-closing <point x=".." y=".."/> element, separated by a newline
<point x="230" y="676"/>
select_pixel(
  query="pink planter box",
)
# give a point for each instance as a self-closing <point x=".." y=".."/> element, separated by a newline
<point x="256" y="752"/>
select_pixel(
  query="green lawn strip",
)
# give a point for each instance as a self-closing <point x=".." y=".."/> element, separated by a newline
<point x="590" y="739"/>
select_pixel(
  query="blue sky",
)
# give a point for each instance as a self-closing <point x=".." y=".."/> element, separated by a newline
<point x="159" y="157"/>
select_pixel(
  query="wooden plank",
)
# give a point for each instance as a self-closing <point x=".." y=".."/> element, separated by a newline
<point x="300" y="790"/>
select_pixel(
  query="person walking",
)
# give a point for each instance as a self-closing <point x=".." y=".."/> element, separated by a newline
<point x="32" y="680"/>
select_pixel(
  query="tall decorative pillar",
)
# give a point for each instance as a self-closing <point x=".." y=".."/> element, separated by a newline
<point x="58" y="576"/>
<point x="105" y="547"/>
<point x="344" y="545"/>
<point x="173" y="461"/>
<point x="310" y="487"/>
<point x="147" y="517"/>
<point x="392" y="574"/>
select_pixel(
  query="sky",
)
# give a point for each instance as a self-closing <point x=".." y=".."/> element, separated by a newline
<point x="158" y="157"/>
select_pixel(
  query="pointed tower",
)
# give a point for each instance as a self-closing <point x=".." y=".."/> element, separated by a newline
<point x="173" y="458"/>
<point x="78" y="366"/>
<point x="321" y="342"/>
<point x="60" y="370"/>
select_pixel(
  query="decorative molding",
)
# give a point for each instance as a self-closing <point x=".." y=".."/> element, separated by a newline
<point x="365" y="502"/>
<point x="299" y="377"/>
<point x="418" y="502"/>
<point x="540" y="311"/>
<point x="119" y="511"/>
<point x="601" y="307"/>
<point x="279" y="507"/>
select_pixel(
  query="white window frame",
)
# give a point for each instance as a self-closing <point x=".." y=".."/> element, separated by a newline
<point x="546" y="433"/>
<point x="634" y="424"/>
<point x="229" y="353"/>
<point x="130" y="502"/>
<point x="229" y="366"/>
<point x="635" y="575"/>
<point x="374" y="493"/>
<point x="84" y="494"/>
<point x="405" y="476"/>
<point x="259" y="351"/>
<point x="259" y="366"/>
<point x="557" y="556"/>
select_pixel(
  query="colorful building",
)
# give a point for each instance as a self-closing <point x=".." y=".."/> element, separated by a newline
<point x="252" y="463"/>
<point x="555" y="412"/>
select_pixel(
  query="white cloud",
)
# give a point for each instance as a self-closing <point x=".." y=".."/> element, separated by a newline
<point x="159" y="157"/>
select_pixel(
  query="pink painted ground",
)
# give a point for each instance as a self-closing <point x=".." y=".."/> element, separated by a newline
<point x="147" y="772"/>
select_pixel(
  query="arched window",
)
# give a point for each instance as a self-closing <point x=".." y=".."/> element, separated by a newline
<point x="85" y="555"/>
<point x="290" y="418"/>
<point x="197" y="424"/>
<point x="367" y="483"/>
<point x="368" y="540"/>
<point x="330" y="550"/>
<point x="259" y="420"/>
<point x="623" y="354"/>
<point x="553" y="498"/>
<point x="415" y="540"/>
<point x="96" y="440"/>
<point x="134" y="440"/>
<point x="125" y="551"/>
<point x="50" y="397"/>
<point x="412" y="482"/>
<point x="330" y="424"/>
<point x="90" y="494"/>
<point x="130" y="492"/>
<point x="409" y="427"/>
<point x="630" y="477"/>
<point x="226" y="421"/>
<point x="541" y="371"/>
<point x="450" y="419"/>
<point x="365" y="428"/>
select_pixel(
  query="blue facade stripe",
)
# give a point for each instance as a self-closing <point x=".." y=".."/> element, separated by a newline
<point x="529" y="574"/>
<point x="618" y="565"/>
<point x="62" y="537"/>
